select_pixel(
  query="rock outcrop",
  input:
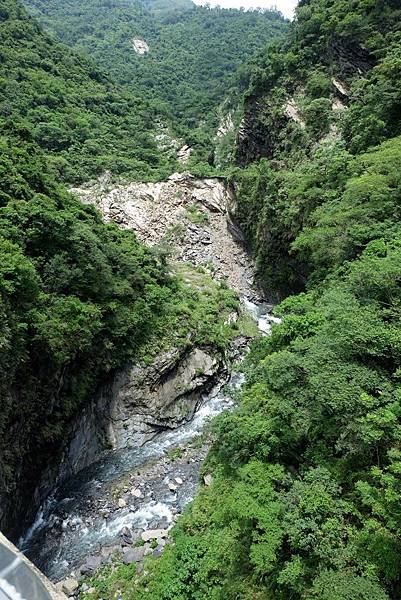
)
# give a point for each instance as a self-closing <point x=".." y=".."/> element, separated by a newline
<point x="190" y="215"/>
<point x="350" y="58"/>
<point x="140" y="46"/>
<point x="139" y="402"/>
<point x="256" y="136"/>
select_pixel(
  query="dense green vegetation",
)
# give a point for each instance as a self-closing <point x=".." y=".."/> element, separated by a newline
<point x="306" y="497"/>
<point x="305" y="501"/>
<point x="194" y="56"/>
<point x="167" y="8"/>
<point x="83" y="121"/>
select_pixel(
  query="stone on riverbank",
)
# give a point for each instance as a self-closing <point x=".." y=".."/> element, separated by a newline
<point x="133" y="555"/>
<point x="68" y="586"/>
<point x="154" y="534"/>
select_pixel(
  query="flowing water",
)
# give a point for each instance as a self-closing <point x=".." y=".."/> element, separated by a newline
<point x="128" y="491"/>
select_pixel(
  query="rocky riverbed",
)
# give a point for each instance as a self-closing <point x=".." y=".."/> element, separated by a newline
<point x="126" y="503"/>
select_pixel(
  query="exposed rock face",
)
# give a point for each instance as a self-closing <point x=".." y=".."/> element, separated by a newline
<point x="341" y="87"/>
<point x="256" y="136"/>
<point x="226" y="125"/>
<point x="140" y="46"/>
<point x="184" y="154"/>
<point x="191" y="215"/>
<point x="292" y="112"/>
<point x="350" y="58"/>
<point x="139" y="402"/>
<point x="195" y="216"/>
<point x="262" y="130"/>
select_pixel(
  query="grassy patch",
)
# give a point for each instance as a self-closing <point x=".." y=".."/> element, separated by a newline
<point x="196" y="314"/>
<point x="175" y="454"/>
<point x="196" y="215"/>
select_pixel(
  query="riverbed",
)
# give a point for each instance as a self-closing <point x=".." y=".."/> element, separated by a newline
<point x="105" y="507"/>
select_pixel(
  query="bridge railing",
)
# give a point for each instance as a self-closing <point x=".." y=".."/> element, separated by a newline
<point x="20" y="579"/>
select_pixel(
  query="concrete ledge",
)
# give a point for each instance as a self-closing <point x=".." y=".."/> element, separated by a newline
<point x="36" y="574"/>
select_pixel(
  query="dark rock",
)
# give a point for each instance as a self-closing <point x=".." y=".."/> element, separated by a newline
<point x="92" y="564"/>
<point x="257" y="136"/>
<point x="126" y="535"/>
<point x="350" y="57"/>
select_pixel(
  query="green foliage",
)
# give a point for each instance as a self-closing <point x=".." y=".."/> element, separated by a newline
<point x="82" y="120"/>
<point x="197" y="313"/>
<point x="305" y="500"/>
<point x="196" y="215"/>
<point x="193" y="59"/>
<point x="334" y="586"/>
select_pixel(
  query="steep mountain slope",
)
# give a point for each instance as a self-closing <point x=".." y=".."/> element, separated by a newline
<point x="83" y="121"/>
<point x="305" y="501"/>
<point x="76" y="295"/>
<point x="330" y="93"/>
<point x="193" y="55"/>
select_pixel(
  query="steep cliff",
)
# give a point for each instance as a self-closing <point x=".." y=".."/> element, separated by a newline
<point x="331" y="87"/>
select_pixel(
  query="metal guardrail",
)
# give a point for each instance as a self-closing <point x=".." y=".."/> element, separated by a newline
<point x="19" y="579"/>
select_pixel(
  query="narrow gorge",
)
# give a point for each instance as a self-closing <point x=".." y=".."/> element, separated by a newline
<point x="200" y="300"/>
<point x="135" y="453"/>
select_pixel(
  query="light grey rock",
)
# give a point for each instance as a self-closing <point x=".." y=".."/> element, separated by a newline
<point x="154" y="534"/>
<point x="69" y="586"/>
<point x="208" y="480"/>
<point x="152" y="210"/>
<point x="133" y="555"/>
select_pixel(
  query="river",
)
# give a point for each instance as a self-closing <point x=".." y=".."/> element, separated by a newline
<point x="106" y="506"/>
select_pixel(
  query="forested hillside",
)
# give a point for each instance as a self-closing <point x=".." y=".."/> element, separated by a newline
<point x="167" y="7"/>
<point x="305" y="502"/>
<point x="193" y="58"/>
<point x="82" y="120"/>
